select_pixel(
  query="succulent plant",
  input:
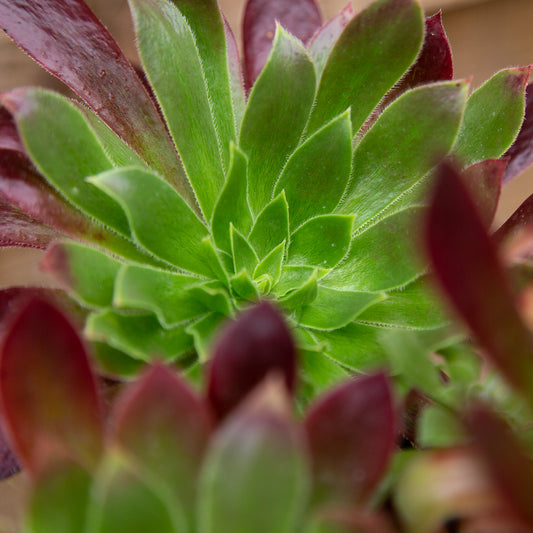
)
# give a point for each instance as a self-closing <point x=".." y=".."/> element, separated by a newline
<point x="171" y="201"/>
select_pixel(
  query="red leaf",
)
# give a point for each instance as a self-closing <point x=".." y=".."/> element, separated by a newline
<point x="520" y="154"/>
<point x="467" y="266"/>
<point x="506" y="460"/>
<point x="300" y="17"/>
<point x="166" y="427"/>
<point x="9" y="137"/>
<point x="257" y="344"/>
<point x="51" y="408"/>
<point x="352" y="433"/>
<point x="66" y="38"/>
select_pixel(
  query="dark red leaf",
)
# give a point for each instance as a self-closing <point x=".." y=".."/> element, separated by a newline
<point x="352" y="433"/>
<point x="51" y="408"/>
<point x="506" y="460"/>
<point x="166" y="427"/>
<point x="484" y="182"/>
<point x="8" y="463"/>
<point x="257" y="344"/>
<point x="300" y="17"/>
<point x="66" y="38"/>
<point x="9" y="137"/>
<point x="467" y="266"/>
<point x="520" y="154"/>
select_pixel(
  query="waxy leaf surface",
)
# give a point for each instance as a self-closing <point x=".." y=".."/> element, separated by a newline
<point x="390" y="153"/>
<point x="68" y="40"/>
<point x="391" y="33"/>
<point x="301" y="18"/>
<point x="488" y="134"/>
<point x="271" y="127"/>
<point x="173" y="65"/>
<point x="52" y="412"/>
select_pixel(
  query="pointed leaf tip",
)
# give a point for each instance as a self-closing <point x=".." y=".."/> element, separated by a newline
<point x="351" y="432"/>
<point x="250" y="348"/>
<point x="51" y="406"/>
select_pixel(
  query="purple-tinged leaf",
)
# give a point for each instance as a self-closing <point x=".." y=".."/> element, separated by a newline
<point x="506" y="460"/>
<point x="515" y="237"/>
<point x="50" y="403"/>
<point x="467" y="266"/>
<point x="8" y="463"/>
<point x="67" y="39"/>
<point x="257" y="344"/>
<point x="9" y="137"/>
<point x="165" y="427"/>
<point x="325" y="38"/>
<point x="352" y="433"/>
<point x="299" y="17"/>
<point x="236" y="76"/>
<point x="484" y="182"/>
<point x="520" y="154"/>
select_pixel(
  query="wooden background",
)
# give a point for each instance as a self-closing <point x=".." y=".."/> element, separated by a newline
<point x="486" y="35"/>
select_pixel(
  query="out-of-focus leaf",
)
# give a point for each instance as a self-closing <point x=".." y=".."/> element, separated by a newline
<point x="68" y="40"/>
<point x="244" y="255"/>
<point x="69" y="155"/>
<point x="271" y="265"/>
<point x="161" y="423"/>
<point x="113" y="362"/>
<point x="321" y="241"/>
<point x="255" y="476"/>
<point x="159" y="218"/>
<point x="427" y="116"/>
<point x="59" y="499"/>
<point x="87" y="273"/>
<point x="8" y="463"/>
<point x="168" y="51"/>
<point x="348" y="521"/>
<point x="50" y="404"/>
<point x="391" y="33"/>
<point x="505" y="458"/>
<point x="351" y="432"/>
<point x="236" y="77"/>
<point x="465" y="263"/>
<point x="232" y="204"/>
<point x="123" y="500"/>
<point x="439" y="427"/>
<point x="207" y="26"/>
<point x="520" y="154"/>
<point x="299" y="17"/>
<point x="271" y="227"/>
<point x="324" y="158"/>
<point x="140" y="336"/>
<point x="334" y="309"/>
<point x="272" y="127"/>
<point x="382" y="257"/>
<point x="9" y="137"/>
<point x="488" y="134"/>
<point x="203" y="331"/>
<point x="162" y="292"/>
<point x="250" y="348"/>
<point x="324" y="39"/>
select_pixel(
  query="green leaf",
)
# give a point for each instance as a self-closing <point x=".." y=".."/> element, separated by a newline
<point x="213" y="260"/>
<point x="335" y="309"/>
<point x="401" y="147"/>
<point x="272" y="126"/>
<point x="213" y="295"/>
<point x="123" y="501"/>
<point x="493" y="116"/>
<point x="413" y="306"/>
<point x="302" y="295"/>
<point x="324" y="158"/>
<point x="322" y="241"/>
<point x="159" y="218"/>
<point x="203" y="331"/>
<point x="294" y="276"/>
<point x="58" y="501"/>
<point x="232" y="204"/>
<point x="236" y="79"/>
<point x="244" y="256"/>
<point x="110" y="361"/>
<point x="66" y="151"/>
<point x="87" y="273"/>
<point x="243" y="286"/>
<point x="378" y="45"/>
<point x="271" y="227"/>
<point x="173" y="65"/>
<point x="383" y="257"/>
<point x="271" y="264"/>
<point x="161" y="292"/>
<point x="438" y="427"/>
<point x="207" y="26"/>
<point x="140" y="336"/>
